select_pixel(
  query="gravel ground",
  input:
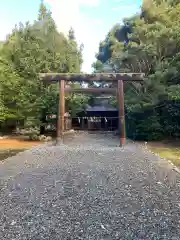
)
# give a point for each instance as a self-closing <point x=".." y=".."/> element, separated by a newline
<point x="89" y="189"/>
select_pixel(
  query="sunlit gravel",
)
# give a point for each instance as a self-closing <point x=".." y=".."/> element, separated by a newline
<point x="89" y="188"/>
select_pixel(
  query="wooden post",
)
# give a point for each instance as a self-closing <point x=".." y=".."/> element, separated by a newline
<point x="122" y="128"/>
<point x="83" y="124"/>
<point x="60" y="125"/>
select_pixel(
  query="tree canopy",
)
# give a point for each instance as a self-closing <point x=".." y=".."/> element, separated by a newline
<point x="149" y="43"/>
<point x="29" y="50"/>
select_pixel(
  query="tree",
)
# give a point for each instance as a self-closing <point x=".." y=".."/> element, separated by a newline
<point x="156" y="53"/>
<point x="71" y="34"/>
<point x="32" y="49"/>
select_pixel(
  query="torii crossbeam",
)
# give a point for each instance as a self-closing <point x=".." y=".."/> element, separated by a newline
<point x="49" y="78"/>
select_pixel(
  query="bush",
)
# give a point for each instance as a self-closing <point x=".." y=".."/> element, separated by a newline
<point x="28" y="131"/>
<point x="33" y="137"/>
<point x="144" y="125"/>
<point x="33" y="134"/>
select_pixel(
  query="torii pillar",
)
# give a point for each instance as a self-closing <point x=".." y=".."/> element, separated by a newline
<point x="122" y="127"/>
<point x="61" y="112"/>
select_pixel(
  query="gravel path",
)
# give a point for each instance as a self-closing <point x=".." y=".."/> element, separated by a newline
<point x="89" y="189"/>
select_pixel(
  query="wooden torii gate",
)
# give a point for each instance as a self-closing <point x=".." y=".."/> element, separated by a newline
<point x="118" y="78"/>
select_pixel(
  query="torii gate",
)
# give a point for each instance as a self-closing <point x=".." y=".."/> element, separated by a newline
<point x="118" y="78"/>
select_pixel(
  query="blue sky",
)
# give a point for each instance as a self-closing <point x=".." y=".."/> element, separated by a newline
<point x="91" y="19"/>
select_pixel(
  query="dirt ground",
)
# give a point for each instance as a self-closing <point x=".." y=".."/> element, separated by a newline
<point x="11" y="146"/>
<point x="9" y="143"/>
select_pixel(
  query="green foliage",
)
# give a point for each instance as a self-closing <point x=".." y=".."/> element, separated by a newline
<point x="29" y="50"/>
<point x="33" y="134"/>
<point x="157" y="29"/>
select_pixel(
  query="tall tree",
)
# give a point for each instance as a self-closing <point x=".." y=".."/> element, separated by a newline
<point x="30" y="50"/>
<point x="156" y="53"/>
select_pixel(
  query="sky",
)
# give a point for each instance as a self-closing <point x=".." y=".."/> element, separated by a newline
<point x="91" y="19"/>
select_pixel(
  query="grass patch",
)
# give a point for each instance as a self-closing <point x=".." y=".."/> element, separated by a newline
<point x="170" y="153"/>
<point x="9" y="153"/>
